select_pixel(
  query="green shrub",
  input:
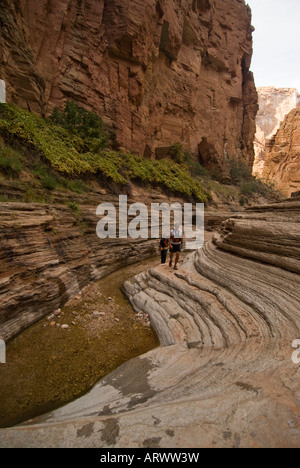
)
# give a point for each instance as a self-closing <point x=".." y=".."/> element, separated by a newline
<point x="48" y="181"/>
<point x="255" y="186"/>
<point x="178" y="155"/>
<point x="65" y="153"/>
<point x="76" y="186"/>
<point x="10" y="160"/>
<point x="197" y="170"/>
<point x="75" y="208"/>
<point x="33" y="196"/>
<point x="248" y="188"/>
<point x="228" y="192"/>
<point x="83" y="123"/>
<point x="53" y="143"/>
<point x="160" y="172"/>
<point x="239" y="171"/>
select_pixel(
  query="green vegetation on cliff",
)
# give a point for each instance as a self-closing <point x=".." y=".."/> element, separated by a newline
<point x="73" y="144"/>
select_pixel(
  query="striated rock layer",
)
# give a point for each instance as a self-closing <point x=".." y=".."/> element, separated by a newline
<point x="223" y="376"/>
<point x="159" y="71"/>
<point x="274" y="104"/>
<point x="48" y="253"/>
<point x="282" y="159"/>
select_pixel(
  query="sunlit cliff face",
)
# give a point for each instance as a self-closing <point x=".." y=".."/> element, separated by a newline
<point x="159" y="72"/>
<point x="274" y="105"/>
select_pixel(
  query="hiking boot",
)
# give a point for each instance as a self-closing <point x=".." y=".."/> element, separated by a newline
<point x="175" y="267"/>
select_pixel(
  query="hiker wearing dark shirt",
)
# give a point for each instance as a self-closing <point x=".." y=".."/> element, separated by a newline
<point x="164" y="246"/>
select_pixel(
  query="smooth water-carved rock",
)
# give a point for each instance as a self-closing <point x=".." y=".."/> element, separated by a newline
<point x="223" y="375"/>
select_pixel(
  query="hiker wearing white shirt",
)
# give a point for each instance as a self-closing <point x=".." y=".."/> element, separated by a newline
<point x="175" y="245"/>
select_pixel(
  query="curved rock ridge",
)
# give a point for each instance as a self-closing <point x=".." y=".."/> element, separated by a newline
<point x="241" y="296"/>
<point x="223" y="375"/>
<point x="265" y="238"/>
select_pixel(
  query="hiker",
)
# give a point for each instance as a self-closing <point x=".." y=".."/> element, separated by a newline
<point x="164" y="247"/>
<point x="175" y="245"/>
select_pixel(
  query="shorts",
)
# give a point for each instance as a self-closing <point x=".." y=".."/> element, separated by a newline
<point x="175" y="248"/>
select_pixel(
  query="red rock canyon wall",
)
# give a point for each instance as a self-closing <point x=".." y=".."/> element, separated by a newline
<point x="282" y="159"/>
<point x="159" y="71"/>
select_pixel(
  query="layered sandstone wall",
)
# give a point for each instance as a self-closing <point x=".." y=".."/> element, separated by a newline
<point x="48" y="253"/>
<point x="282" y="158"/>
<point x="159" y="71"/>
<point x="274" y="105"/>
